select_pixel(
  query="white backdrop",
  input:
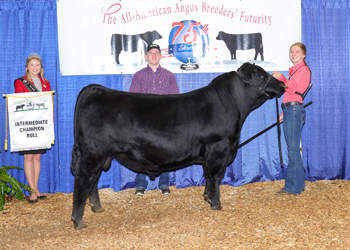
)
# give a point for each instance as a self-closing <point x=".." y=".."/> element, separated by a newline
<point x="85" y="28"/>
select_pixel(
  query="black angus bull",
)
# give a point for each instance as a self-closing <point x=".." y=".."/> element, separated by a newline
<point x="151" y="134"/>
<point x="131" y="43"/>
<point x="236" y="42"/>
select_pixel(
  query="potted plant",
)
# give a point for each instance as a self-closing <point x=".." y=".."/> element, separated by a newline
<point x="10" y="186"/>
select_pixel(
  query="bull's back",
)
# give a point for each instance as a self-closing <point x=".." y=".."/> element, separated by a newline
<point x="149" y="111"/>
<point x="124" y="114"/>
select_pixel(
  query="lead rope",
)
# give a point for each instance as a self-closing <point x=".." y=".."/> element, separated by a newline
<point x="279" y="133"/>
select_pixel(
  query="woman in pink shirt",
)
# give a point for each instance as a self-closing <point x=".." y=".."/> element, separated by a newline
<point x="293" y="117"/>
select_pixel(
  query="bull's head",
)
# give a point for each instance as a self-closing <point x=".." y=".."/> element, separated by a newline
<point x="260" y="79"/>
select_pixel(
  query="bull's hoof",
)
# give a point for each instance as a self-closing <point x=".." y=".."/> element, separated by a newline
<point x="96" y="210"/>
<point x="206" y="198"/>
<point x="81" y="226"/>
<point x="216" y="207"/>
<point x="78" y="225"/>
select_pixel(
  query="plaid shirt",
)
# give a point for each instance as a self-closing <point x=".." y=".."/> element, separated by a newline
<point x="161" y="82"/>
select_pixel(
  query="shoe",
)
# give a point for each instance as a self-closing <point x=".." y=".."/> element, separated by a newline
<point x="42" y="197"/>
<point x="33" y="201"/>
<point x="282" y="193"/>
<point x="140" y="192"/>
<point x="165" y="190"/>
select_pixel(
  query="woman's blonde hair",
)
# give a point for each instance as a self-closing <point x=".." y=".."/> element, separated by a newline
<point x="41" y="73"/>
<point x="302" y="47"/>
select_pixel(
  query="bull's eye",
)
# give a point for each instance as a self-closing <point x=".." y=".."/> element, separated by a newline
<point x="257" y="76"/>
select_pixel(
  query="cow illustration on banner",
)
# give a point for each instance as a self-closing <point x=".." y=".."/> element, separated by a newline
<point x="132" y="43"/>
<point x="236" y="42"/>
<point x="30" y="121"/>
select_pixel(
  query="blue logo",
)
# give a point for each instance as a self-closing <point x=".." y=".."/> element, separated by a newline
<point x="188" y="41"/>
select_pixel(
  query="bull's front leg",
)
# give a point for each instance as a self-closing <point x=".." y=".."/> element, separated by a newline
<point x="212" y="188"/>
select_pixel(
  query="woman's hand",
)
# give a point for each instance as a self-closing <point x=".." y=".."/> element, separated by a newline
<point x="276" y="74"/>
<point x="280" y="119"/>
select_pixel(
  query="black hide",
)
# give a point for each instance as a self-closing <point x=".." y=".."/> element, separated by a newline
<point x="151" y="134"/>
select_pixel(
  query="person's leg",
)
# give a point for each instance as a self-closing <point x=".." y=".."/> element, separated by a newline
<point x="303" y="117"/>
<point x="30" y="174"/>
<point x="164" y="183"/>
<point x="140" y="181"/>
<point x="164" y="180"/>
<point x="37" y="166"/>
<point x="293" y="121"/>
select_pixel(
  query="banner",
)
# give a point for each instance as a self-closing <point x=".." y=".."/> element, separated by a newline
<point x="111" y="37"/>
<point x="30" y="120"/>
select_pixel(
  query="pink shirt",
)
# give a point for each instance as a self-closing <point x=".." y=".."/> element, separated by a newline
<point x="298" y="82"/>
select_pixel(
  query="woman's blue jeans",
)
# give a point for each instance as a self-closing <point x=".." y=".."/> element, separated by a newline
<point x="293" y="122"/>
<point x="141" y="181"/>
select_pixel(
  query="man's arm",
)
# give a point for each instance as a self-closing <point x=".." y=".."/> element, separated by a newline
<point x="135" y="85"/>
<point x="173" y="88"/>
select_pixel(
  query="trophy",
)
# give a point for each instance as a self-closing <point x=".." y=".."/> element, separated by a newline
<point x="189" y="65"/>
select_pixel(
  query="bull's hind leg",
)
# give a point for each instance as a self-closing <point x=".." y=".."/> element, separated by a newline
<point x="207" y="183"/>
<point x="94" y="198"/>
<point x="79" y="199"/>
<point x="83" y="186"/>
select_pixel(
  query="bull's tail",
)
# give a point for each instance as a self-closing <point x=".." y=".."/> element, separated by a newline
<point x="75" y="159"/>
<point x="74" y="165"/>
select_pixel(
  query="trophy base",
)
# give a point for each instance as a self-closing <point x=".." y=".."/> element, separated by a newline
<point x="189" y="65"/>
